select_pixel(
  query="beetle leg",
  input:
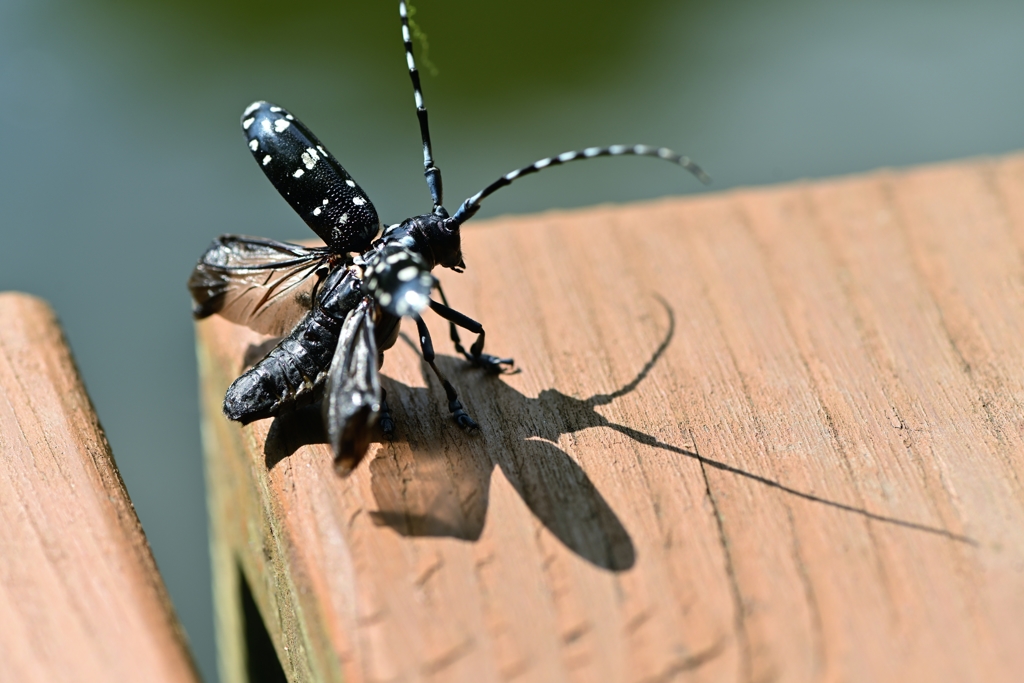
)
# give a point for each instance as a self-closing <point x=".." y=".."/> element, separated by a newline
<point x="454" y="406"/>
<point x="386" y="422"/>
<point x="475" y="355"/>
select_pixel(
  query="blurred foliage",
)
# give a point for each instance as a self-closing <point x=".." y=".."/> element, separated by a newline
<point x="543" y="44"/>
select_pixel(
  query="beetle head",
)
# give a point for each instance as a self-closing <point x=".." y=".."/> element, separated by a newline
<point x="430" y="236"/>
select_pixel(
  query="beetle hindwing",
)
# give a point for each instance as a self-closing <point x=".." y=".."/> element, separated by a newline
<point x="263" y="284"/>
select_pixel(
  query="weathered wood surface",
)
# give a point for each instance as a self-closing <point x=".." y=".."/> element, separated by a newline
<point x="80" y="595"/>
<point x="770" y="434"/>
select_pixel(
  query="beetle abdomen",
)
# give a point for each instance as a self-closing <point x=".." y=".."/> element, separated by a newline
<point x="291" y="376"/>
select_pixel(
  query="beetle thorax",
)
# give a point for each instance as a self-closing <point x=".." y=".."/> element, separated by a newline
<point x="429" y="237"/>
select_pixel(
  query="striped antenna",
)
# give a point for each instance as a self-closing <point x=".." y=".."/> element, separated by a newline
<point x="472" y="205"/>
<point x="430" y="171"/>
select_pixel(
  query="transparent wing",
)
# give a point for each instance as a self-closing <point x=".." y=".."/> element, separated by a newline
<point x="352" y="395"/>
<point x="263" y="284"/>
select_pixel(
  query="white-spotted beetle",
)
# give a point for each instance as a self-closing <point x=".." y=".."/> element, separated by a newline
<point x="340" y="305"/>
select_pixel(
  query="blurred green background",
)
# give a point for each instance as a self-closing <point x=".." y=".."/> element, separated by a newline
<point x="123" y="158"/>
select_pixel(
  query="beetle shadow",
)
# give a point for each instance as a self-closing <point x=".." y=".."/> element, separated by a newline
<point x="448" y="495"/>
<point x="437" y="482"/>
<point x="434" y="480"/>
<point x="291" y="431"/>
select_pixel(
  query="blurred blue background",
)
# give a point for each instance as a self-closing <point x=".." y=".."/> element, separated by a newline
<point x="123" y="158"/>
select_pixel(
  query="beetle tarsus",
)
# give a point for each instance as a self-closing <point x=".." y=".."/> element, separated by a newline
<point x="462" y="418"/>
<point x="491" y="364"/>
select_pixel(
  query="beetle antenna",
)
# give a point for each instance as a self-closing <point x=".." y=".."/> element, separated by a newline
<point x="472" y="205"/>
<point x="430" y="171"/>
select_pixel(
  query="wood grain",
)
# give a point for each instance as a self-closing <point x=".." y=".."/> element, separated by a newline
<point x="80" y="595"/>
<point x="769" y="434"/>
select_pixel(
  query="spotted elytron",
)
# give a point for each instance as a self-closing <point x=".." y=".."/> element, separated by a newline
<point x="340" y="305"/>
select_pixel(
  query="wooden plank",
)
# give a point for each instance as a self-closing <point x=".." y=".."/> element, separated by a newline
<point x="80" y="595"/>
<point x="765" y="434"/>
